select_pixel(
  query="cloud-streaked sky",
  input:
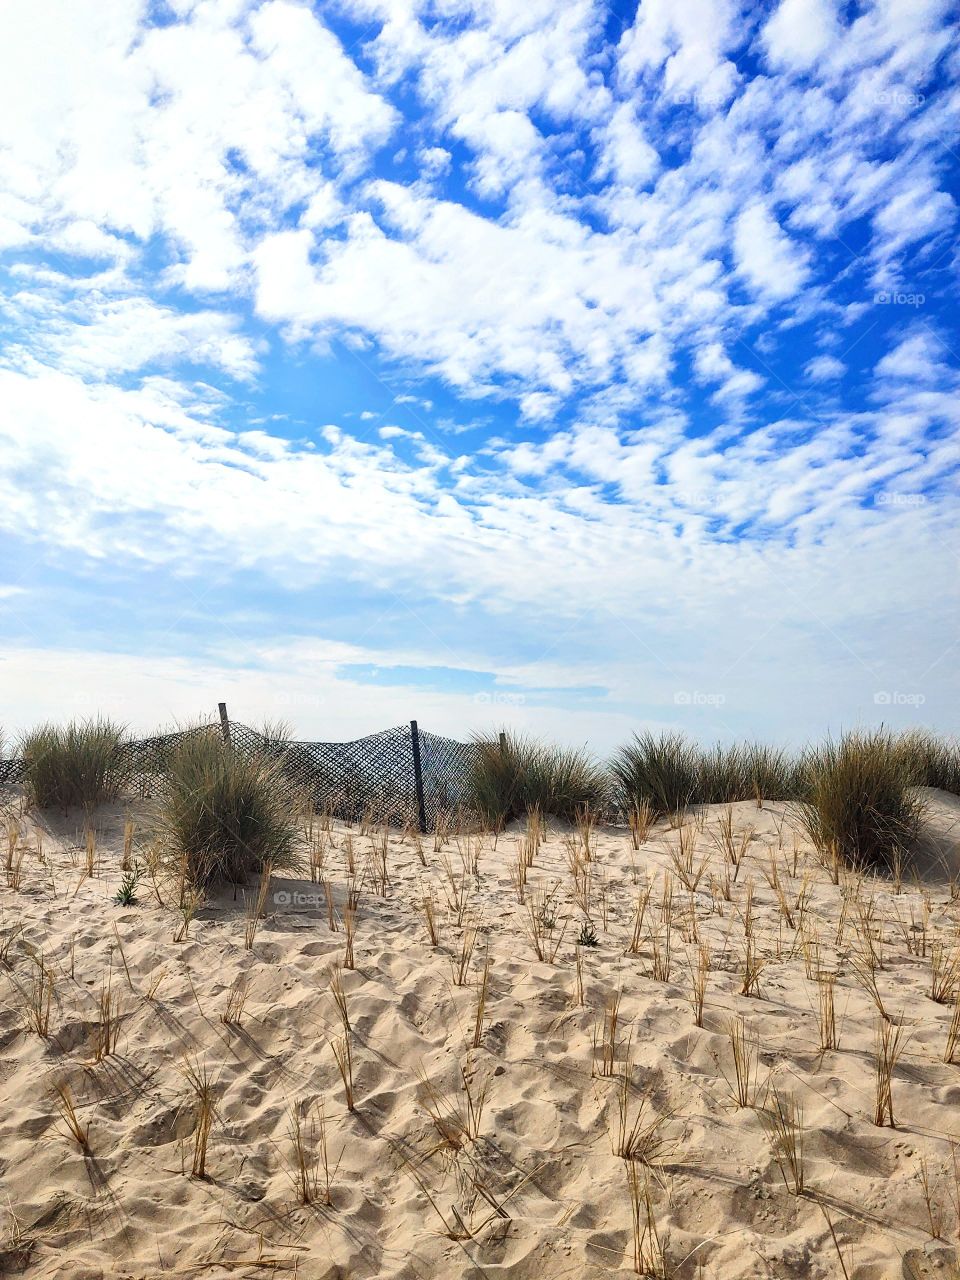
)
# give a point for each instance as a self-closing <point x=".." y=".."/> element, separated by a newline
<point x="580" y="366"/>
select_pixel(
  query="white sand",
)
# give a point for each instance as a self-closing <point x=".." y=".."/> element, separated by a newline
<point x="544" y="1150"/>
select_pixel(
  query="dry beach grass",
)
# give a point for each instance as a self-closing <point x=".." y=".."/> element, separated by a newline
<point x="694" y="1046"/>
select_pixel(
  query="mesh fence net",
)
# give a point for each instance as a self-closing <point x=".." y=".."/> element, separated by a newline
<point x="369" y="777"/>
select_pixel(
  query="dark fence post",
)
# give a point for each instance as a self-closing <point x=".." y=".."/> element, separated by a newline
<point x="418" y="776"/>
<point x="503" y="743"/>
<point x="224" y="723"/>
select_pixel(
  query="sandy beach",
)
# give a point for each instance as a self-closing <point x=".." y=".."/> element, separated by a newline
<point x="491" y="1149"/>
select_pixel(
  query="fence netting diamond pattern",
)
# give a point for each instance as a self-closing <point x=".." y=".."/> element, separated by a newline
<point x="371" y="777"/>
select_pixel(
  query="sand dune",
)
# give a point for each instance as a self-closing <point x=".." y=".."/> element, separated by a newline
<point x="533" y="1188"/>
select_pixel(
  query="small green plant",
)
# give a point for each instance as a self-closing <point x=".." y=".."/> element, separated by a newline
<point x="587" y="937"/>
<point x="126" y="895"/>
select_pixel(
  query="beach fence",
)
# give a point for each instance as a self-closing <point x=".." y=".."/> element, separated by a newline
<point x="404" y="776"/>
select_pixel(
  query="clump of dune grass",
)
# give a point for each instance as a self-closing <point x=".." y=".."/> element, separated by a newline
<point x="77" y="765"/>
<point x="659" y="771"/>
<point x="515" y="775"/>
<point x="225" y="814"/>
<point x="859" y="806"/>
<point x="667" y="774"/>
<point x="931" y="761"/>
<point x="770" y="773"/>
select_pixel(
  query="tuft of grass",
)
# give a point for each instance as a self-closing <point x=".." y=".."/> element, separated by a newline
<point x="605" y="1036"/>
<point x="640" y="819"/>
<point x="460" y="964"/>
<point x="349" y="932"/>
<point x="482" y="990"/>
<point x="829" y="1033"/>
<point x="639" y="1134"/>
<point x="859" y="806"/>
<point x="310" y="1162"/>
<point x="339" y="997"/>
<point x="519" y="775"/>
<point x="953" y="1037"/>
<point x="255" y="904"/>
<point x="931" y="761"/>
<point x="541" y="926"/>
<point x="649" y="1250"/>
<point x="36" y="997"/>
<point x="343" y="1053"/>
<point x="224" y="815"/>
<point x="106" y="1030"/>
<point x="784" y="1125"/>
<point x="457" y="1124"/>
<point x="67" y="1111"/>
<point x="666" y="774"/>
<point x="944" y="973"/>
<point x="745" y="1052"/>
<point x="889" y="1048"/>
<point x="204" y="1109"/>
<point x="77" y="765"/>
<point x="236" y="1001"/>
<point x="657" y="772"/>
<point x="699" y="973"/>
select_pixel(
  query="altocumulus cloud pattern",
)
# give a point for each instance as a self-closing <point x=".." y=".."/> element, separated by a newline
<point x="574" y="364"/>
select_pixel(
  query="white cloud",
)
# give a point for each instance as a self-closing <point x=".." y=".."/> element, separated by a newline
<point x="919" y="357"/>
<point x="688" y="42"/>
<point x="824" y="369"/>
<point x="713" y="364"/>
<point x="625" y="153"/>
<point x="800" y="32"/>
<point x="98" y="335"/>
<point x="140" y="133"/>
<point x="570" y="225"/>
<point x="772" y="263"/>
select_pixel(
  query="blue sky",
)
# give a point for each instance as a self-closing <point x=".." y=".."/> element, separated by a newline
<point x="581" y="367"/>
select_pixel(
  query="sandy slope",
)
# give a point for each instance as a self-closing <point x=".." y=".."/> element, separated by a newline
<point x="544" y="1150"/>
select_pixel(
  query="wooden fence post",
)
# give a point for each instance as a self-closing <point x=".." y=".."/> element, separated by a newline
<point x="418" y="777"/>
<point x="503" y="743"/>
<point x="224" y="722"/>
